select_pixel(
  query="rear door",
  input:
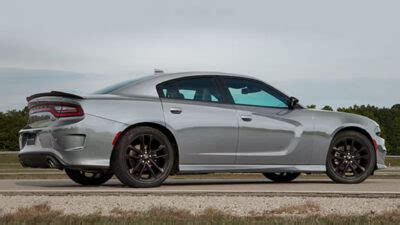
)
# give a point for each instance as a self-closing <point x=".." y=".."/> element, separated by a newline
<point x="269" y="133"/>
<point x="205" y="127"/>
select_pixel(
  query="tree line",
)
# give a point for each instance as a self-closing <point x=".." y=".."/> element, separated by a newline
<point x="388" y="118"/>
<point x="10" y="123"/>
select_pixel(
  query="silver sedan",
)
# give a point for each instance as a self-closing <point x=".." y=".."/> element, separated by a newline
<point x="196" y="122"/>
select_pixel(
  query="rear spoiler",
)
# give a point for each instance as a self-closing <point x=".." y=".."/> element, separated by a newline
<point x="54" y="93"/>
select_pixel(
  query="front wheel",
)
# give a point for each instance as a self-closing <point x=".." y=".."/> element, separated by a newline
<point x="88" y="178"/>
<point x="351" y="158"/>
<point x="281" y="177"/>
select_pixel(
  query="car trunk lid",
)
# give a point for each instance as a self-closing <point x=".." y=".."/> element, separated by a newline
<point x="47" y="108"/>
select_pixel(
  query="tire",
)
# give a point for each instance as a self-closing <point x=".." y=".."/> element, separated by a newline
<point x="143" y="157"/>
<point x="88" y="178"/>
<point x="281" y="177"/>
<point x="351" y="158"/>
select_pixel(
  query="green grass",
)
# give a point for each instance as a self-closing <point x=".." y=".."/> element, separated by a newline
<point x="32" y="176"/>
<point x="43" y="214"/>
<point x="10" y="166"/>
<point x="9" y="158"/>
<point x="392" y="161"/>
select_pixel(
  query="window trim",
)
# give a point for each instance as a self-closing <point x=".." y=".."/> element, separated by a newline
<point x="174" y="83"/>
<point x="226" y="96"/>
<point x="274" y="92"/>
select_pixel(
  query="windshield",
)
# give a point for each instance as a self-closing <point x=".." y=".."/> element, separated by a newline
<point x="115" y="87"/>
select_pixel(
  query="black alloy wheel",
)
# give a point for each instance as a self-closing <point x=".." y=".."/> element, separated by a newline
<point x="144" y="158"/>
<point x="351" y="158"/>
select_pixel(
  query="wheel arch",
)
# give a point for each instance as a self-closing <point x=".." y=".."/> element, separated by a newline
<point x="353" y="128"/>
<point x="161" y="128"/>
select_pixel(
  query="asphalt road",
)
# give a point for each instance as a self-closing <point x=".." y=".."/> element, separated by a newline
<point x="302" y="187"/>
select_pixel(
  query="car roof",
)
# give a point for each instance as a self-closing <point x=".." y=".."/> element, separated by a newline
<point x="162" y="77"/>
<point x="146" y="86"/>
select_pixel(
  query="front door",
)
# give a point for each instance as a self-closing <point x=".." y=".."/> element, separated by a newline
<point x="269" y="133"/>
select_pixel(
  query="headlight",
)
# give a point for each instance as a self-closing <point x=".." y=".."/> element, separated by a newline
<point x="378" y="131"/>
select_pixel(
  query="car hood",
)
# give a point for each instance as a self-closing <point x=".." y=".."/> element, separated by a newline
<point x="348" y="117"/>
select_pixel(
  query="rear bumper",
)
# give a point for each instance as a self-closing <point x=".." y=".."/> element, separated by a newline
<point x="41" y="160"/>
<point x="86" y="144"/>
<point x="49" y="160"/>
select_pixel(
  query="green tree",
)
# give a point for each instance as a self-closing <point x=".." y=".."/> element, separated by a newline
<point x="10" y="124"/>
<point x="327" y="108"/>
<point x="395" y="141"/>
<point x="311" y="106"/>
<point x="396" y="107"/>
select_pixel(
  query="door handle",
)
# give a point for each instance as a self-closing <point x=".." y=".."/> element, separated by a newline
<point x="246" y="118"/>
<point x="175" y="110"/>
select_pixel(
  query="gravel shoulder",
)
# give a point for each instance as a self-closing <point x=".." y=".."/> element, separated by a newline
<point x="233" y="205"/>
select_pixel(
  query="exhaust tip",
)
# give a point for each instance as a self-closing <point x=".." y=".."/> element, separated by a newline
<point x="52" y="164"/>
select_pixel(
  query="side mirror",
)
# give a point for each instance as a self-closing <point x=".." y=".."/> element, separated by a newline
<point x="292" y="102"/>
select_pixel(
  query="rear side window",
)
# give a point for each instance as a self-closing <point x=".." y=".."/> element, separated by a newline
<point x="253" y="93"/>
<point x="115" y="87"/>
<point x="195" y="89"/>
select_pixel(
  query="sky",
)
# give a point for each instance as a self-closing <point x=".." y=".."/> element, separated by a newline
<point x="336" y="53"/>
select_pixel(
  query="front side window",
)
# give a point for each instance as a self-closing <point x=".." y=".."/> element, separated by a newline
<point x="195" y="89"/>
<point x="253" y="93"/>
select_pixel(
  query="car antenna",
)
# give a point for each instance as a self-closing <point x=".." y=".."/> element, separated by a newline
<point x="158" y="72"/>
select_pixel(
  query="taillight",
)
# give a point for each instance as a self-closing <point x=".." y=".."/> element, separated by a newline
<point x="58" y="109"/>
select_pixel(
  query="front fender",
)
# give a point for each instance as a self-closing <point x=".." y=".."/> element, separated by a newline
<point x="328" y="124"/>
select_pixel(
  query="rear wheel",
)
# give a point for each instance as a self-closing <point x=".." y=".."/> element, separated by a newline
<point x="88" y="178"/>
<point x="281" y="177"/>
<point x="143" y="157"/>
<point x="351" y="158"/>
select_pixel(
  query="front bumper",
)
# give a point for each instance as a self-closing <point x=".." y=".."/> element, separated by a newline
<point x="380" y="153"/>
